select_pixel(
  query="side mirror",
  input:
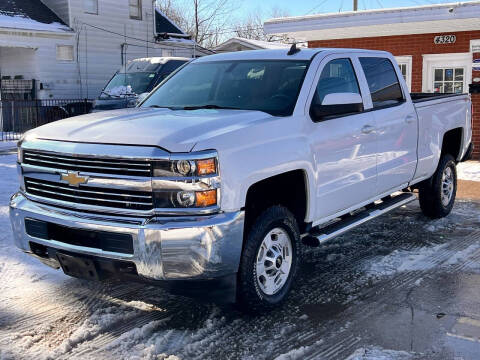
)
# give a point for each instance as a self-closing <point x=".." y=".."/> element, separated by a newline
<point x="336" y="104"/>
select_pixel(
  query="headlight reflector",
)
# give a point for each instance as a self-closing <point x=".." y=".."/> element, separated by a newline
<point x="186" y="198"/>
<point x="185" y="167"/>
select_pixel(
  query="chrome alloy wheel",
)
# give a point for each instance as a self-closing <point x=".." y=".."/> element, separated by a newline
<point x="447" y="185"/>
<point x="274" y="261"/>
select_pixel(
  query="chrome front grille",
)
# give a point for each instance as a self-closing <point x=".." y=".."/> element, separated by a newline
<point x="88" y="195"/>
<point x="97" y="165"/>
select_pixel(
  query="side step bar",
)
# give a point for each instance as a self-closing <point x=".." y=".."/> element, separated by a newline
<point x="320" y="235"/>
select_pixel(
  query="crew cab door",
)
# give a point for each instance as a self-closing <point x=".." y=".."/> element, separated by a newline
<point x="396" y="123"/>
<point x="342" y="137"/>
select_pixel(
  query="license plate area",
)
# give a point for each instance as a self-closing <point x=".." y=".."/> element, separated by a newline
<point x="77" y="266"/>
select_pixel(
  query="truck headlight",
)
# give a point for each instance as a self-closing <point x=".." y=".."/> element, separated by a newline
<point x="185" y="199"/>
<point x="186" y="168"/>
<point x="187" y="181"/>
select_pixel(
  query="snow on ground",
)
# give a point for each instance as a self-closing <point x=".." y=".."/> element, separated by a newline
<point x="469" y="170"/>
<point x="403" y="260"/>
<point x="47" y="315"/>
<point x="376" y="353"/>
<point x="7" y="145"/>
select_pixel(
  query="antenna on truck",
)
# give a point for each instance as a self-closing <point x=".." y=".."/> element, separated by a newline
<point x="293" y="49"/>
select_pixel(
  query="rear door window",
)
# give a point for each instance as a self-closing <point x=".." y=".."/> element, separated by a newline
<point x="382" y="81"/>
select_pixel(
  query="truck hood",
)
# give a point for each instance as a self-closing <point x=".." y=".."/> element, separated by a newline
<point x="172" y="130"/>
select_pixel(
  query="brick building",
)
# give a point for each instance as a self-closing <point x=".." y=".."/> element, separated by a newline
<point x="437" y="46"/>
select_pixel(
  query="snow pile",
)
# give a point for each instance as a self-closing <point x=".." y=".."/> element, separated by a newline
<point x="464" y="213"/>
<point x="461" y="256"/>
<point x="100" y="321"/>
<point x="469" y="170"/>
<point x="298" y="353"/>
<point x="402" y="260"/>
<point x="121" y="90"/>
<point x="22" y="22"/>
<point x="376" y="353"/>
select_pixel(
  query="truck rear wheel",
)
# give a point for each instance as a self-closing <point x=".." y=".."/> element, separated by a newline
<point x="437" y="195"/>
<point x="269" y="261"/>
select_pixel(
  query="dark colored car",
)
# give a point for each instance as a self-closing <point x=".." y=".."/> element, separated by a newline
<point x="132" y="83"/>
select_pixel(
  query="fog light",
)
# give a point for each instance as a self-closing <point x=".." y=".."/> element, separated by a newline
<point x="186" y="198"/>
<point x="206" y="198"/>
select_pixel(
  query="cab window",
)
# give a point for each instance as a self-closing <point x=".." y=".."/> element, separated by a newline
<point x="382" y="81"/>
<point x="338" y="76"/>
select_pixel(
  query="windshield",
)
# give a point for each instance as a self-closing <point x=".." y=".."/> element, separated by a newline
<point x="129" y="83"/>
<point x="271" y="86"/>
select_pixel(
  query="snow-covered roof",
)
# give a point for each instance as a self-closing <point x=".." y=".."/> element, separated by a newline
<point x="30" y="15"/>
<point x="460" y="16"/>
<point x="249" y="44"/>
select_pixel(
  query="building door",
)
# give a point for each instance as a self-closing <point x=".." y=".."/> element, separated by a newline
<point x="447" y="73"/>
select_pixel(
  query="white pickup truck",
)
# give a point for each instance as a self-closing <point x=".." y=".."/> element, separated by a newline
<point x="232" y="164"/>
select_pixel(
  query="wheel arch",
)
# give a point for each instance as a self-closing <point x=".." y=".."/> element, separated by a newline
<point x="289" y="189"/>
<point x="452" y="143"/>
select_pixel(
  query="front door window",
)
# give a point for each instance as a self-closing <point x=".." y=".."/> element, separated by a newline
<point x="449" y="80"/>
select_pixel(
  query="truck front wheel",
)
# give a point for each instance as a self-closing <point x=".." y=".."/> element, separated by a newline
<point x="437" y="194"/>
<point x="269" y="261"/>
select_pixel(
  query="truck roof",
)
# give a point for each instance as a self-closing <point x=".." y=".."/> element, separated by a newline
<point x="280" y="54"/>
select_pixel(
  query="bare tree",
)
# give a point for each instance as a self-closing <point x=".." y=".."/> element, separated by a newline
<point x="210" y="22"/>
<point x="205" y="20"/>
<point x="252" y="26"/>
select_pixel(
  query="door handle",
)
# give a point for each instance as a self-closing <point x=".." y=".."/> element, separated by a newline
<point x="367" y="129"/>
<point x="410" y="119"/>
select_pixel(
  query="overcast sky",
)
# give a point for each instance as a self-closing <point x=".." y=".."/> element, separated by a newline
<point x="302" y="7"/>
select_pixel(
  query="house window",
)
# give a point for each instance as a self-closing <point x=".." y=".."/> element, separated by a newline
<point x="403" y="69"/>
<point x="405" y="65"/>
<point x="64" y="52"/>
<point x="90" y="6"/>
<point x="135" y="7"/>
<point x="449" y="80"/>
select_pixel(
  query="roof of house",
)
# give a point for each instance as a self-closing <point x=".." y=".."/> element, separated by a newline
<point x="460" y="16"/>
<point x="250" y="44"/>
<point x="30" y="15"/>
<point x="164" y="25"/>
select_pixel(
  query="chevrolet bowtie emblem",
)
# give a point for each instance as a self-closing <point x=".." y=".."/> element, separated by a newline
<point x="73" y="179"/>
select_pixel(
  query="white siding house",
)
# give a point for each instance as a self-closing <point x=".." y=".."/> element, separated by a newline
<point x="73" y="47"/>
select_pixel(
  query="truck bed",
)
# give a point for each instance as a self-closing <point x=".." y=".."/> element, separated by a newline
<point x="437" y="114"/>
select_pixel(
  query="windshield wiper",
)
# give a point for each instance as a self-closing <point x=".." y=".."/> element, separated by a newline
<point x="209" y="106"/>
<point x="110" y="95"/>
<point x="160" y="107"/>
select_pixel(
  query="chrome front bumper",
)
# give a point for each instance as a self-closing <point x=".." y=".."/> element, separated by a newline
<point x="197" y="248"/>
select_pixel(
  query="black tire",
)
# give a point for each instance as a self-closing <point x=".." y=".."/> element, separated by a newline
<point x="250" y="296"/>
<point x="430" y="191"/>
